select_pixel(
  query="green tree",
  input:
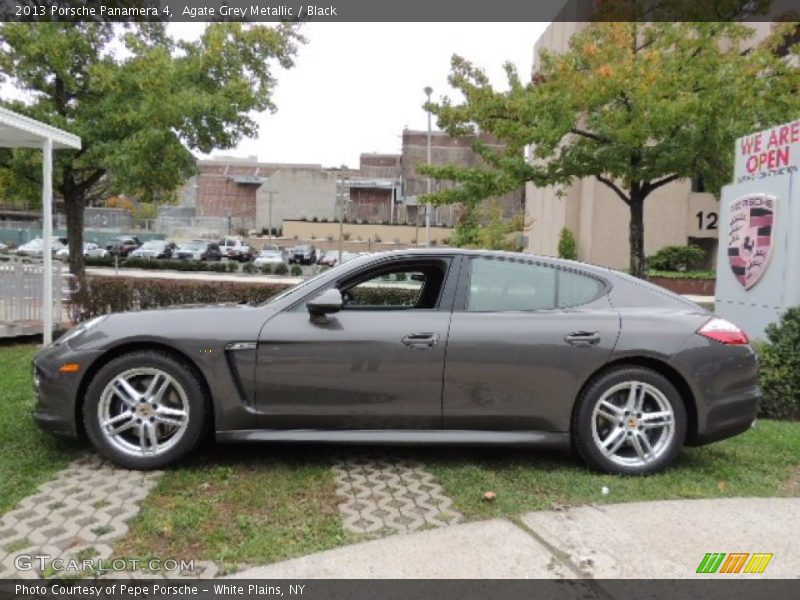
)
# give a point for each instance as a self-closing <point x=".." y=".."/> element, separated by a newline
<point x="635" y="105"/>
<point x="567" y="247"/>
<point x="139" y="100"/>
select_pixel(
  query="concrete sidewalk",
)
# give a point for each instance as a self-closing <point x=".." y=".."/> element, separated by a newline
<point x="638" y="540"/>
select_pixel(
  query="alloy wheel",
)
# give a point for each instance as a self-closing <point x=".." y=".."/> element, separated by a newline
<point x="143" y="412"/>
<point x="633" y="424"/>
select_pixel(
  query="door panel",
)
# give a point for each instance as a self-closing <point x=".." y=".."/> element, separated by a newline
<point x="362" y="369"/>
<point x="516" y="370"/>
<point x="518" y="352"/>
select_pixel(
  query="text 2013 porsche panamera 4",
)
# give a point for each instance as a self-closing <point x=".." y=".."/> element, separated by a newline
<point x="422" y="346"/>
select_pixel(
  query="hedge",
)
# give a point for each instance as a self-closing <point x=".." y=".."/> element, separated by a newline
<point x="101" y="295"/>
<point x="167" y="264"/>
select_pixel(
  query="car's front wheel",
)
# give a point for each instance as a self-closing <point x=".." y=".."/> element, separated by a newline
<point x="145" y="410"/>
<point x="630" y="420"/>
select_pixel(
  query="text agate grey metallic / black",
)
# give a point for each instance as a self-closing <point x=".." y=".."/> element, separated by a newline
<point x="473" y="347"/>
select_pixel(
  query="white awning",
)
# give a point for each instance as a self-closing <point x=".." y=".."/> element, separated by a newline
<point x="19" y="131"/>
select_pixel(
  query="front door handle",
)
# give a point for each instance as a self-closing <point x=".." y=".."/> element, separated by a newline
<point x="420" y="341"/>
<point x="583" y="338"/>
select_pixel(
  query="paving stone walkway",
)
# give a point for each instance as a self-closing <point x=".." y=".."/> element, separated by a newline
<point x="77" y="515"/>
<point x="387" y="493"/>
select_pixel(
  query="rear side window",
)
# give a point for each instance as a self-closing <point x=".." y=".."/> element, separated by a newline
<point x="575" y="289"/>
<point x="498" y="285"/>
<point x="504" y="285"/>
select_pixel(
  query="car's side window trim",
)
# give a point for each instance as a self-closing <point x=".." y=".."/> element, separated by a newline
<point x="465" y="284"/>
<point x="446" y="294"/>
<point x="363" y="277"/>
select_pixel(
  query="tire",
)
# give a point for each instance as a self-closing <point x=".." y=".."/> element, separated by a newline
<point x="612" y="435"/>
<point x="145" y="430"/>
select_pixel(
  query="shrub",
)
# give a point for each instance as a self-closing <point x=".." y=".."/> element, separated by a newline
<point x="281" y="269"/>
<point x="780" y="368"/>
<point x="346" y="236"/>
<point x="101" y="295"/>
<point x="99" y="261"/>
<point x="265" y="268"/>
<point x="232" y="266"/>
<point x="378" y="239"/>
<point x="217" y="267"/>
<point x="677" y="258"/>
<point x="249" y="267"/>
<point x="296" y="270"/>
<point x="567" y="247"/>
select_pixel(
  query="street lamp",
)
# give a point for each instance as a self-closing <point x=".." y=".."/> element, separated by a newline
<point x="428" y="91"/>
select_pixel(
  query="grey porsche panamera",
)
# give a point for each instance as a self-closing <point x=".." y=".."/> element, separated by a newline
<point x="421" y="346"/>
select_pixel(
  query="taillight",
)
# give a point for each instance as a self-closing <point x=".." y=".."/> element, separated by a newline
<point x="724" y="332"/>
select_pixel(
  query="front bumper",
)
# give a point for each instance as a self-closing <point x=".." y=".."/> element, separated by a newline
<point x="55" y="410"/>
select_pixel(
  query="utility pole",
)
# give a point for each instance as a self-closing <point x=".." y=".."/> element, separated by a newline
<point x="270" y="194"/>
<point x="428" y="91"/>
<point x="342" y="208"/>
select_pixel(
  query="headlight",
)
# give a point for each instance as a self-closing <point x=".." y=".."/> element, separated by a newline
<point x="79" y="329"/>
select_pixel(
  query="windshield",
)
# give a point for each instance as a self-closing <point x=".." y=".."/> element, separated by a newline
<point x="270" y="253"/>
<point x="150" y="244"/>
<point x="302" y="249"/>
<point x="194" y="246"/>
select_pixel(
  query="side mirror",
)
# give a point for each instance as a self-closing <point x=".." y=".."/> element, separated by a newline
<point x="329" y="301"/>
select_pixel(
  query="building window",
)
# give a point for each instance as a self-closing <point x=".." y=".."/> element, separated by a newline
<point x="698" y="185"/>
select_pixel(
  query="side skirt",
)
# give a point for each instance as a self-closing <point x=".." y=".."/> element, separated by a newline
<point x="540" y="439"/>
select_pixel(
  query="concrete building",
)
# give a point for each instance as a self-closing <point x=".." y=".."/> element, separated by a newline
<point x="445" y="149"/>
<point x="296" y="194"/>
<point x="226" y="187"/>
<point x="679" y="213"/>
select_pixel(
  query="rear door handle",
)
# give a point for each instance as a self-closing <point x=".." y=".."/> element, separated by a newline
<point x="420" y="341"/>
<point x="583" y="338"/>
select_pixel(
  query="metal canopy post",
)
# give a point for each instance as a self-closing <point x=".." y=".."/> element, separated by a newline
<point x="47" y="234"/>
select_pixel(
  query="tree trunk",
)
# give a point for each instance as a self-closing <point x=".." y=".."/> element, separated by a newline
<point x="636" y="236"/>
<point x="74" y="208"/>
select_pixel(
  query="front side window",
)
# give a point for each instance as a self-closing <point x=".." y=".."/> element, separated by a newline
<point x="402" y="287"/>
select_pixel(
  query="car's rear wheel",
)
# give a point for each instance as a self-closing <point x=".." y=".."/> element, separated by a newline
<point x="630" y="420"/>
<point x="145" y="410"/>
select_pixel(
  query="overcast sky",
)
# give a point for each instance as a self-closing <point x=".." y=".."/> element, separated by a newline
<point x="356" y="85"/>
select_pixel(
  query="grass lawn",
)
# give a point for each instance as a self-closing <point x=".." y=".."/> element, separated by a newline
<point x="28" y="456"/>
<point x="240" y="505"/>
<point x="765" y="461"/>
<point x="256" y="504"/>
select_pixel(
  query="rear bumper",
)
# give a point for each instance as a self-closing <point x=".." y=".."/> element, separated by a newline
<point x="729" y="416"/>
<point x="724" y="382"/>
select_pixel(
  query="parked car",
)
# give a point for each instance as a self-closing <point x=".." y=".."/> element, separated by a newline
<point x="329" y="258"/>
<point x="155" y="249"/>
<point x="3" y="247"/>
<point x="236" y="249"/>
<point x="35" y="247"/>
<point x="88" y="249"/>
<point x="303" y="255"/>
<point x="457" y="347"/>
<point x="122" y="245"/>
<point x="199" y="250"/>
<point x="270" y="255"/>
